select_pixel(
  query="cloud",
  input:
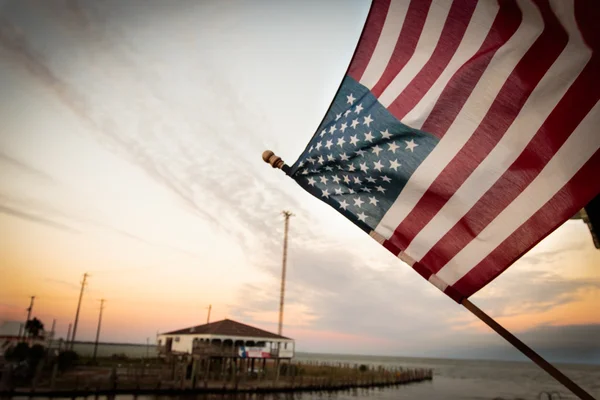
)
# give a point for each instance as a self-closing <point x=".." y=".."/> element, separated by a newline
<point x="36" y="218"/>
<point x="541" y="292"/>
<point x="6" y="159"/>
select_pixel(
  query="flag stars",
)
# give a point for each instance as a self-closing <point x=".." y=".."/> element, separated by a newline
<point x="323" y="180"/>
<point x="380" y="189"/>
<point x="366" y="189"/>
<point x="410" y="145"/>
<point x="321" y="160"/>
<point x="370" y="179"/>
<point x="357" y="180"/>
<point x="311" y="160"/>
<point x="318" y="147"/>
<point x="344" y="156"/>
<point x="338" y="116"/>
<point x="362" y="217"/>
<point x="346" y="179"/>
<point x="341" y="142"/>
<point x="354" y="123"/>
<point x="351" y="168"/>
<point x="386" y="179"/>
<point x="394" y="165"/>
<point x="358" y="108"/>
<point x="393" y="147"/>
<point x="323" y="132"/>
<point x="358" y="202"/>
<point x="338" y="191"/>
<point x="336" y="179"/>
<point x="368" y="120"/>
<point x="343" y="127"/>
<point x="351" y="191"/>
<point x="369" y="137"/>
<point x="350" y="99"/>
<point x="329" y="156"/>
<point x="378" y="166"/>
<point x="329" y="168"/>
<point x="360" y="152"/>
<point x="373" y="201"/>
<point x="311" y="181"/>
<point x="376" y="149"/>
<point x="329" y="144"/>
<point x="363" y="167"/>
<point x="332" y="129"/>
<point x="353" y="140"/>
<point x="347" y="113"/>
<point x="325" y="193"/>
<point x="386" y="134"/>
<point x="344" y="204"/>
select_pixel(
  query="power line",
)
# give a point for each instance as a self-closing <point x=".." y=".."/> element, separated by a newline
<point x="78" y="308"/>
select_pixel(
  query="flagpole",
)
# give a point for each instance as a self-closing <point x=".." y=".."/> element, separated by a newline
<point x="276" y="162"/>
<point x="526" y="350"/>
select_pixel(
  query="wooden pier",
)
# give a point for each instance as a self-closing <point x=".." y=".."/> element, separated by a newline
<point x="180" y="378"/>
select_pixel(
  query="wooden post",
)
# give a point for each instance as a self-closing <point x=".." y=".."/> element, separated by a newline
<point x="526" y="350"/>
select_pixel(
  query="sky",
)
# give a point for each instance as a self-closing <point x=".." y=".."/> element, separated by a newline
<point x="130" y="149"/>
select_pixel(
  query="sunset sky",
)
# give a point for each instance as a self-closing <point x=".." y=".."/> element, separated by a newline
<point x="130" y="149"/>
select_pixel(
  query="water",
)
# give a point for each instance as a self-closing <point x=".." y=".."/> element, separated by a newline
<point x="453" y="379"/>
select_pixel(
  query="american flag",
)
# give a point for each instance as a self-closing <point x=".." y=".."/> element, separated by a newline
<point x="464" y="132"/>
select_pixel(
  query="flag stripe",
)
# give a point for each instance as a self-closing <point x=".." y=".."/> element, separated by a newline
<point x="435" y="22"/>
<point x="369" y="39"/>
<point x="483" y="20"/>
<point x="406" y="44"/>
<point x="521" y="107"/>
<point x="471" y="114"/>
<point x="454" y="96"/>
<point x="553" y="214"/>
<point x="573" y="107"/>
<point x="583" y="143"/>
<point x="387" y="42"/>
<point x="459" y="18"/>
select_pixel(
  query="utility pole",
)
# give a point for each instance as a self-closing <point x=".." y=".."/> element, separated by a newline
<point x="68" y="335"/>
<point x="78" y="308"/>
<point x="28" y="316"/>
<point x="286" y="215"/>
<point x="208" y="316"/>
<point x="98" y="331"/>
<point x="52" y="334"/>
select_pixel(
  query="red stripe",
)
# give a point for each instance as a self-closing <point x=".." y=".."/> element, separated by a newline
<point x="458" y="89"/>
<point x="406" y="44"/>
<point x="573" y="107"/>
<point x="559" y="209"/>
<point x="452" y="34"/>
<point x="505" y="108"/>
<point x="370" y="36"/>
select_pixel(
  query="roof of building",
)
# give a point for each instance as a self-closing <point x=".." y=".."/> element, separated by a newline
<point x="10" y="328"/>
<point x="227" y="327"/>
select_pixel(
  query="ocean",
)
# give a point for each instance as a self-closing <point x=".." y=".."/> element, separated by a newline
<point x="452" y="380"/>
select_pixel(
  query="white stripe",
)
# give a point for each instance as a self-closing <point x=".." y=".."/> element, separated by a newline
<point x="437" y="282"/>
<point x="384" y="49"/>
<point x="546" y="95"/>
<point x="575" y="152"/>
<point x="434" y="24"/>
<point x="467" y="120"/>
<point x="479" y="26"/>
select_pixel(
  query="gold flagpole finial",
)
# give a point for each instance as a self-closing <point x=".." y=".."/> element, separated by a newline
<point x="270" y="158"/>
